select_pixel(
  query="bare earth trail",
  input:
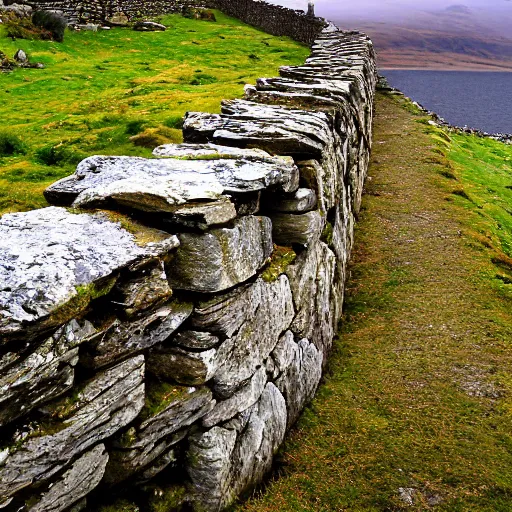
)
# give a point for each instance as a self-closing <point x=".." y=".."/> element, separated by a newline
<point x="416" y="410"/>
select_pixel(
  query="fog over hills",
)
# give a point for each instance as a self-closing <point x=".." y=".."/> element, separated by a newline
<point x="436" y="34"/>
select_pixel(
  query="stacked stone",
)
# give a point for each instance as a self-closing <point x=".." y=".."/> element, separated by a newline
<point x="176" y="331"/>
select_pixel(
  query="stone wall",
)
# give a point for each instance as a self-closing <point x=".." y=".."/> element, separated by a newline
<point x="165" y="322"/>
<point x="274" y="19"/>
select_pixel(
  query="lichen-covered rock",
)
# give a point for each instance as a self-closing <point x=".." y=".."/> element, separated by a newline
<point x="203" y="215"/>
<point x="166" y="415"/>
<point x="289" y="228"/>
<point x="183" y="366"/>
<point x="106" y="404"/>
<point x="78" y="481"/>
<point x="221" y="258"/>
<point x="247" y="396"/>
<point x="163" y="185"/>
<point x="44" y="374"/>
<point x="311" y="280"/>
<point x="52" y="263"/>
<point x="267" y="313"/>
<point x="225" y="461"/>
<point x="301" y="374"/>
<point x="142" y="289"/>
<point x="122" y="339"/>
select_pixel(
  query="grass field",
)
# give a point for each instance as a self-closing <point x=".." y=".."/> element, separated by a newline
<point x="100" y="89"/>
<point x="415" y="412"/>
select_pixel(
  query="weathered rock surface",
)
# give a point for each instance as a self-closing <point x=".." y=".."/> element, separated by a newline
<point x="106" y="404"/>
<point x="301" y="375"/>
<point x="144" y="444"/>
<point x="44" y="374"/>
<point x="50" y="257"/>
<point x="221" y="258"/>
<point x="148" y="26"/>
<point x="303" y="200"/>
<point x="163" y="185"/>
<point x="185" y="367"/>
<point x="203" y="216"/>
<point x="311" y="280"/>
<point x="196" y="340"/>
<point x="240" y="401"/>
<point x="142" y="290"/>
<point x="122" y="339"/>
<point x="288" y="228"/>
<point x="78" y="481"/>
<point x="268" y="312"/>
<point x="225" y="461"/>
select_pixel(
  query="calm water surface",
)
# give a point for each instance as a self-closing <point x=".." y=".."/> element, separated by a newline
<point x="481" y="100"/>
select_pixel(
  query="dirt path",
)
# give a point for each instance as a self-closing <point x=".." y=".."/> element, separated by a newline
<point x="416" y="410"/>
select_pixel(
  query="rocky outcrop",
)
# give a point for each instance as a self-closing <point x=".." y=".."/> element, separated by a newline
<point x="180" y="341"/>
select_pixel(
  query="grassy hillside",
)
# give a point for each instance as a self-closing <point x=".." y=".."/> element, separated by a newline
<point x="100" y="89"/>
<point x="416" y="410"/>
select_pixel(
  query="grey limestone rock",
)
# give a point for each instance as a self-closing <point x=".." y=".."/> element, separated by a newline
<point x="106" y="404"/>
<point x="185" y="367"/>
<point x="78" y="481"/>
<point x="311" y="280"/>
<point x="165" y="184"/>
<point x="148" y="26"/>
<point x="268" y="312"/>
<point x="44" y="374"/>
<point x="225" y="461"/>
<point x="196" y="340"/>
<point x="301" y="374"/>
<point x="142" y="289"/>
<point x="122" y="339"/>
<point x="52" y="262"/>
<point x="288" y="228"/>
<point x="204" y="215"/>
<point x="303" y="200"/>
<point x="247" y="396"/>
<point x="143" y="445"/>
<point x="221" y="258"/>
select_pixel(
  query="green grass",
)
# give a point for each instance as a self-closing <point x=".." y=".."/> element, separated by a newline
<point x="418" y="394"/>
<point x="99" y="89"/>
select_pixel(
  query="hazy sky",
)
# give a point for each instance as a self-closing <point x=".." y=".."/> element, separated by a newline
<point x="372" y="9"/>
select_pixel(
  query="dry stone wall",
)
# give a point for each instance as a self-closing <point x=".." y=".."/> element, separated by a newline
<point x="164" y="323"/>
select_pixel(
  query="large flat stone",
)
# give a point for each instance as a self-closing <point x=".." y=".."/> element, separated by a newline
<point x="53" y="262"/>
<point x="221" y="258"/>
<point x="106" y="404"/>
<point x="289" y="228"/>
<point x="165" y="184"/>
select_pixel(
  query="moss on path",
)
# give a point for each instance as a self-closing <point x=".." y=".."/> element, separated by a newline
<point x="416" y="410"/>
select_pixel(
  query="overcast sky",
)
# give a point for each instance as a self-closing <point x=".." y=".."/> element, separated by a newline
<point x="375" y="9"/>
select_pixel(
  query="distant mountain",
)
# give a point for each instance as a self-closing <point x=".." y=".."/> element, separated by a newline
<point x="456" y="37"/>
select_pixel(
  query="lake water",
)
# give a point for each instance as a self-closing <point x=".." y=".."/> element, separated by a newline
<point x="481" y="100"/>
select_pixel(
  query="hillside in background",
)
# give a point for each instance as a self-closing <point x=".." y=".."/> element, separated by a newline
<point x="428" y="34"/>
<point x="456" y="37"/>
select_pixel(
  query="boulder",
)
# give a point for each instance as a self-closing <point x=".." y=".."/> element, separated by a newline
<point x="21" y="57"/>
<point x="148" y="26"/>
<point x="221" y="258"/>
<point x="53" y="262"/>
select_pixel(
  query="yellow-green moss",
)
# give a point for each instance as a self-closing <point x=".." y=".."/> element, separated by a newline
<point x="281" y="258"/>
